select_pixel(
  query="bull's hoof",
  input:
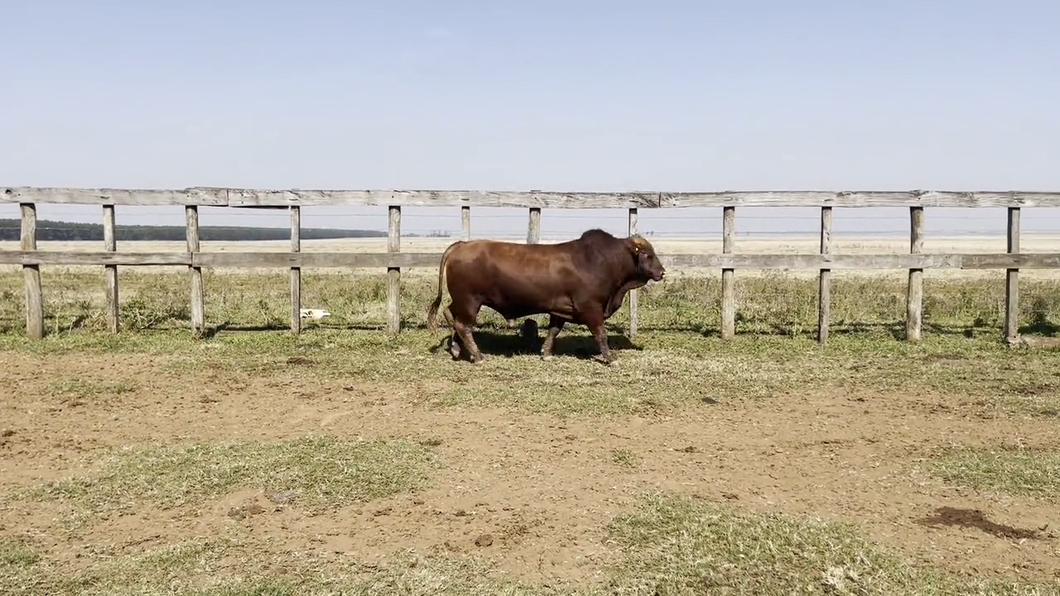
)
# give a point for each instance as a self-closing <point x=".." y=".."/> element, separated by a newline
<point x="479" y="360"/>
<point x="547" y="357"/>
<point x="529" y="329"/>
<point x="608" y="360"/>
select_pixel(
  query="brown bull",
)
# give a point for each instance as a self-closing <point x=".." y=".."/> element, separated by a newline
<point x="582" y="281"/>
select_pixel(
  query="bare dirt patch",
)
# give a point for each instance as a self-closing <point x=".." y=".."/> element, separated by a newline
<point x="528" y="490"/>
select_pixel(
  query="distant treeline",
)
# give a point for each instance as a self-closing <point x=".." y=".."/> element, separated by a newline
<point x="11" y="229"/>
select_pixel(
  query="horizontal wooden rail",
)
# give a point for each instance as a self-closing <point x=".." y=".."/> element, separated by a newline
<point x="310" y="260"/>
<point x="535" y="199"/>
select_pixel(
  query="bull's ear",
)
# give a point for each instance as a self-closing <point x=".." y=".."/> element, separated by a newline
<point x="636" y="243"/>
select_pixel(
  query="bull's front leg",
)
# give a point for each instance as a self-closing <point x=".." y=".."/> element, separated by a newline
<point x="555" y="324"/>
<point x="595" y="323"/>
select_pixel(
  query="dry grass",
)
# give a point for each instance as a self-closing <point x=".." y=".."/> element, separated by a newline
<point x="1010" y="469"/>
<point x="766" y="304"/>
<point x="666" y="545"/>
<point x="317" y="471"/>
<point x="773" y="353"/>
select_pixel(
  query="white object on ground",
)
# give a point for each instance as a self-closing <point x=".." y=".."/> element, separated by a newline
<point x="314" y="313"/>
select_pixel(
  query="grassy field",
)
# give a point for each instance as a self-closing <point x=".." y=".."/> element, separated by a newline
<point x="347" y="461"/>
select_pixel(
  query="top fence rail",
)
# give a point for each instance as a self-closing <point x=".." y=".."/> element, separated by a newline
<point x="251" y="198"/>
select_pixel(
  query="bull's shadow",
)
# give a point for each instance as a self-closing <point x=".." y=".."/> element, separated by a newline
<point x="506" y="343"/>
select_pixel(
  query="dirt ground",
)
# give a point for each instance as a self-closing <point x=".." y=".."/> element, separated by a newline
<point x="530" y="491"/>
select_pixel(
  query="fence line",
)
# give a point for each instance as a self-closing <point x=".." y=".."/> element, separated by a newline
<point x="534" y="201"/>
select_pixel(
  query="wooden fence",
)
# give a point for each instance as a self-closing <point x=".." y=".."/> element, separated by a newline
<point x="728" y="260"/>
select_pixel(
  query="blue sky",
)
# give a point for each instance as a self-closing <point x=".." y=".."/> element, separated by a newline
<point x="588" y="95"/>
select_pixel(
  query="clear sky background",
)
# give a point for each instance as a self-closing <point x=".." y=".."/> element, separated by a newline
<point x="578" y="95"/>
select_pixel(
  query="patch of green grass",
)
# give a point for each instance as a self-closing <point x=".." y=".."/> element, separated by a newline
<point x="680" y="545"/>
<point x="320" y="471"/>
<point x="1012" y="470"/>
<point x="16" y="553"/>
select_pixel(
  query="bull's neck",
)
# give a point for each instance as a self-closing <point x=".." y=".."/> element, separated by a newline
<point x="627" y="278"/>
<point x="621" y="272"/>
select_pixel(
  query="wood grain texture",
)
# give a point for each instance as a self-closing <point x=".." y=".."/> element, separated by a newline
<point x="393" y="274"/>
<point x="830" y="261"/>
<point x="114" y="196"/>
<point x="1012" y="280"/>
<point x="317" y="260"/>
<point x="104" y="258"/>
<point x="443" y="198"/>
<point x="110" y="272"/>
<point x="242" y="197"/>
<point x="728" y="275"/>
<point x="296" y="272"/>
<point x="824" y="300"/>
<point x="465" y="222"/>
<point x="533" y="226"/>
<point x="915" y="292"/>
<point x="633" y="316"/>
<point x="198" y="297"/>
<point x="912" y="198"/>
<point x="31" y="275"/>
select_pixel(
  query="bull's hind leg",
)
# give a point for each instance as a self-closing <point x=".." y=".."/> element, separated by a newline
<point x="463" y="323"/>
<point x="454" y="340"/>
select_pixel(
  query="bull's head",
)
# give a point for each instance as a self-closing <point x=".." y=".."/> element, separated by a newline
<point x="648" y="264"/>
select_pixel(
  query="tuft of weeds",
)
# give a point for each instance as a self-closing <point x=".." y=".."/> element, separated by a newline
<point x="16" y="553"/>
<point x="624" y="458"/>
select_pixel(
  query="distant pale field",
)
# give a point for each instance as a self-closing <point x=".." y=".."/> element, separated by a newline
<point x="789" y="244"/>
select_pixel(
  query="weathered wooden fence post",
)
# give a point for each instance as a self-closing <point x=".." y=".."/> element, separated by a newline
<point x="824" y="301"/>
<point x="533" y="228"/>
<point x="1012" y="278"/>
<point x="296" y="272"/>
<point x="915" y="291"/>
<point x="110" y="273"/>
<point x="31" y="273"/>
<point x="465" y="222"/>
<point x="393" y="274"/>
<point x="198" y="300"/>
<point x="633" y="293"/>
<point x="728" y="285"/>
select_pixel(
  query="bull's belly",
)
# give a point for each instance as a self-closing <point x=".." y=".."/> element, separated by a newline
<point x="563" y="308"/>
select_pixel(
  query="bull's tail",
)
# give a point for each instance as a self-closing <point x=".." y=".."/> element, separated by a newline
<point x="432" y="312"/>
